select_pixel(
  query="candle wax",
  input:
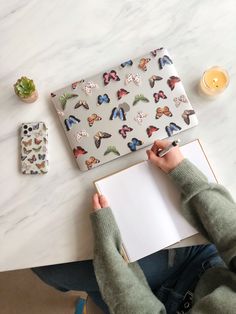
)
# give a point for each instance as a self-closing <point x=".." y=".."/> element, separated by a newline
<point x="215" y="79"/>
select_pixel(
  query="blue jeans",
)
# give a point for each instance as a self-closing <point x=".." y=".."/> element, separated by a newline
<point x="172" y="275"/>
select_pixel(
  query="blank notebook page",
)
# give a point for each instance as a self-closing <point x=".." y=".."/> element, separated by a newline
<point x="146" y="204"/>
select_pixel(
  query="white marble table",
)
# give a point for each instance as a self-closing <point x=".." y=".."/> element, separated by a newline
<point x="44" y="220"/>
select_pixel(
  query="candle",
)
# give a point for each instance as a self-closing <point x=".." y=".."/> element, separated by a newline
<point x="214" y="81"/>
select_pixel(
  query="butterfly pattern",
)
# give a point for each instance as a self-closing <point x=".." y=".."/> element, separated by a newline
<point x="164" y="61"/>
<point x="143" y="63"/>
<point x="99" y="136"/>
<point x="36" y="127"/>
<point x="126" y="63"/>
<point x="27" y="143"/>
<point x="136" y="78"/>
<point x="138" y="98"/>
<point x="88" y="87"/>
<point x="78" y="151"/>
<point x="75" y="84"/>
<point x="124" y="106"/>
<point x="94" y="117"/>
<point x="134" y="143"/>
<point x="41" y="165"/>
<point x="121" y="107"/>
<point x="81" y="134"/>
<point x="140" y="116"/>
<point x="108" y="76"/>
<point x="32" y="159"/>
<point x="123" y="131"/>
<point x="34" y="148"/>
<point x="153" y="79"/>
<point x="186" y="115"/>
<point x="171" y="128"/>
<point x="163" y="111"/>
<point x="180" y="100"/>
<point x="118" y="112"/>
<point x="65" y="97"/>
<point x="82" y="103"/>
<point x="70" y="121"/>
<point x="91" y="162"/>
<point x="37" y="141"/>
<point x="103" y="99"/>
<point x="26" y="152"/>
<point x="151" y="129"/>
<point x="155" y="52"/>
<point x="172" y="81"/>
<point x="121" y="93"/>
<point x="41" y="156"/>
<point x="159" y="95"/>
<point x="111" y="149"/>
<point x="37" y="149"/>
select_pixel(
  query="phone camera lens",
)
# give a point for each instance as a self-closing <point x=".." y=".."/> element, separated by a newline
<point x="25" y="132"/>
<point x="25" y="127"/>
<point x="30" y="129"/>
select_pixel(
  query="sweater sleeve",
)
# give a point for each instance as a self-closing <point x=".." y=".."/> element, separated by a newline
<point x="123" y="286"/>
<point x="209" y="208"/>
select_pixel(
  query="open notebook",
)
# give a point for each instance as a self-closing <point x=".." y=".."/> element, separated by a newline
<point x="146" y="204"/>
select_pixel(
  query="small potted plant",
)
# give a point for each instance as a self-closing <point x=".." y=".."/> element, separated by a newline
<point x="25" y="90"/>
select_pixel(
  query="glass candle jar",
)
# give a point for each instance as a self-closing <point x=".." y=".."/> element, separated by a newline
<point x="214" y="81"/>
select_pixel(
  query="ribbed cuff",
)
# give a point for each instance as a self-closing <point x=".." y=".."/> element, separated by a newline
<point x="188" y="177"/>
<point x="103" y="222"/>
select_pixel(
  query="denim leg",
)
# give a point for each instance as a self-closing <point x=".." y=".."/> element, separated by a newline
<point x="157" y="268"/>
<point x="78" y="276"/>
<point x="177" y="291"/>
<point x="161" y="277"/>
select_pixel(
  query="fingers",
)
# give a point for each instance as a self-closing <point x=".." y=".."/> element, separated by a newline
<point x="149" y="154"/>
<point x="103" y="201"/>
<point x="154" y="158"/>
<point x="96" y="202"/>
<point x="99" y="201"/>
<point x="169" y="161"/>
<point x="158" y="145"/>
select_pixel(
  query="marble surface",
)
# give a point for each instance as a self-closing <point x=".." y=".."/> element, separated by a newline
<point x="44" y="220"/>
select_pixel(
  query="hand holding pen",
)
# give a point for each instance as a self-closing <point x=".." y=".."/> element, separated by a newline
<point x="165" y="150"/>
<point x="170" y="152"/>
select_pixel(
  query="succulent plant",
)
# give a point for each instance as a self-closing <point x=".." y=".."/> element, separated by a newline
<point x="24" y="87"/>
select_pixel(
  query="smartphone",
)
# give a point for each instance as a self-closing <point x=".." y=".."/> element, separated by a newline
<point x="34" y="148"/>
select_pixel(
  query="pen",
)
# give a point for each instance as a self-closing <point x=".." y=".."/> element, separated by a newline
<point x="168" y="148"/>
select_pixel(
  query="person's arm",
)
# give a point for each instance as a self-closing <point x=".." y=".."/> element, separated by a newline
<point x="208" y="207"/>
<point x="122" y="285"/>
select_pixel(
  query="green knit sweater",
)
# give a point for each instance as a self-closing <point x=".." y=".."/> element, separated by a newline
<point x="210" y="209"/>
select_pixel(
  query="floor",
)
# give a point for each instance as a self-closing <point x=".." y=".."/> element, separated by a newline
<point x="21" y="292"/>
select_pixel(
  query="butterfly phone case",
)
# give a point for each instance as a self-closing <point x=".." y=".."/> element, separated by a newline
<point x="34" y="148"/>
<point x="123" y="109"/>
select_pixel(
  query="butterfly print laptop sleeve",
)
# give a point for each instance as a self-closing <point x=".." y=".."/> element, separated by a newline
<point x="123" y="109"/>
